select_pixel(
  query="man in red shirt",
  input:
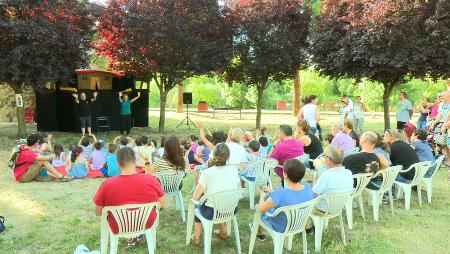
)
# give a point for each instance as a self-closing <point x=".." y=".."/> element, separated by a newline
<point x="30" y="163"/>
<point x="129" y="187"/>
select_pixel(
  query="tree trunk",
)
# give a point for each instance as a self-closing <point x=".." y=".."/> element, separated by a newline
<point x="386" y="95"/>
<point x="259" y="105"/>
<point x="21" y="127"/>
<point x="296" y="101"/>
<point x="447" y="81"/>
<point x="162" y="110"/>
<point x="180" y="98"/>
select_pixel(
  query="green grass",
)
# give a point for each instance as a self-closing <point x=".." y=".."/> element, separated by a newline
<point x="56" y="217"/>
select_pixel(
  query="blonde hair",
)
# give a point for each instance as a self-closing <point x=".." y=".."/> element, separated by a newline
<point x="236" y="135"/>
<point x="221" y="154"/>
<point x="348" y="123"/>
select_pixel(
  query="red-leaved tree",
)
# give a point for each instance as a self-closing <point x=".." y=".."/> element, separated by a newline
<point x="169" y="39"/>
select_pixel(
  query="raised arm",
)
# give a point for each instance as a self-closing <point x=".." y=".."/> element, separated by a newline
<point x="95" y="96"/>
<point x="120" y="97"/>
<point x="201" y="130"/>
<point x="76" y="98"/>
<point x="81" y="139"/>
<point x="94" y="138"/>
<point x="137" y="97"/>
<point x="115" y="140"/>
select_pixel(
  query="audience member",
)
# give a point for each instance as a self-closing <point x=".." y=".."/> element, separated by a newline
<point x="264" y="147"/>
<point x="128" y="188"/>
<point x="219" y="177"/>
<point x="60" y="159"/>
<point x="252" y="158"/>
<point x="78" y="166"/>
<point x="173" y="158"/>
<point x="348" y="128"/>
<point x="202" y="152"/>
<point x="86" y="145"/>
<point x="382" y="148"/>
<point x="294" y="193"/>
<point x="423" y="149"/>
<point x="401" y="154"/>
<point x="111" y="168"/>
<point x="97" y="158"/>
<point x="288" y="148"/>
<point x="341" y="139"/>
<point x="311" y="143"/>
<point x="237" y="150"/>
<point x="337" y="179"/>
<point x="160" y="150"/>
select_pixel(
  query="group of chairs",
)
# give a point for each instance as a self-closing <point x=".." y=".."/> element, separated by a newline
<point x="132" y="222"/>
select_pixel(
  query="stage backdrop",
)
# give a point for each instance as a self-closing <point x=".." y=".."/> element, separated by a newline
<point x="57" y="110"/>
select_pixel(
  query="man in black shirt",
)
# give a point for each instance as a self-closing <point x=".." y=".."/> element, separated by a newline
<point x="84" y="111"/>
<point x="366" y="161"/>
<point x="401" y="154"/>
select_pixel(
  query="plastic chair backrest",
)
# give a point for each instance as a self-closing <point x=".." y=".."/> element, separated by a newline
<point x="389" y="176"/>
<point x="170" y="181"/>
<point x="335" y="202"/>
<point x="437" y="164"/>
<point x="351" y="151"/>
<point x="263" y="169"/>
<point x="362" y="180"/>
<point x="224" y="203"/>
<point x="304" y="159"/>
<point x="421" y="170"/>
<point x="130" y="218"/>
<point x="297" y="216"/>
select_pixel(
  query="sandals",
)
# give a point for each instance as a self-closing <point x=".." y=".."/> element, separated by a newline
<point x="220" y="235"/>
<point x="64" y="179"/>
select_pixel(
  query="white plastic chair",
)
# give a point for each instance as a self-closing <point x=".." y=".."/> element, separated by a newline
<point x="351" y="151"/>
<point x="224" y="204"/>
<point x="429" y="180"/>
<point x="335" y="205"/>
<point x="171" y="181"/>
<point x="297" y="217"/>
<point x="389" y="176"/>
<point x="304" y="159"/>
<point x="421" y="169"/>
<point x="131" y="220"/>
<point x="263" y="168"/>
<point x="362" y="180"/>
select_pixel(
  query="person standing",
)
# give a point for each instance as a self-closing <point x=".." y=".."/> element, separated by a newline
<point x="404" y="111"/>
<point x="347" y="108"/>
<point x="310" y="113"/>
<point x="358" y="114"/>
<point x="125" y="112"/>
<point x="84" y="111"/>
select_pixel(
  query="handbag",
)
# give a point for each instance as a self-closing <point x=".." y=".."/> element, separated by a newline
<point x="440" y="138"/>
<point x="2" y="224"/>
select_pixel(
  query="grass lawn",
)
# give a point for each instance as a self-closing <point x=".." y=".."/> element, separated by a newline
<point x="56" y="217"/>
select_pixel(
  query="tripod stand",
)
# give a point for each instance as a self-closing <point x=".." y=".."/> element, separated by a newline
<point x="187" y="119"/>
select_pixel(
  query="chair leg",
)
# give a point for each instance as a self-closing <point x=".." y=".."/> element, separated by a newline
<point x="289" y="240"/>
<point x="278" y="244"/>
<point x="429" y="186"/>
<point x="361" y="206"/>
<point x="251" y="192"/>
<point x="305" y="243"/>
<point x="318" y="224"/>
<point x="104" y="240"/>
<point x="342" y="229"/>
<point x="325" y="224"/>
<point x="376" y="206"/>
<point x="407" y="192"/>
<point x="228" y="224"/>
<point x="207" y="235"/>
<point x="190" y="222"/>
<point x="349" y="213"/>
<point x="150" y="246"/>
<point x="114" y="242"/>
<point x="253" y="236"/>
<point x="236" y="233"/>
<point x="391" y="201"/>
<point x="181" y="202"/>
<point x="419" y="193"/>
<point x="175" y="201"/>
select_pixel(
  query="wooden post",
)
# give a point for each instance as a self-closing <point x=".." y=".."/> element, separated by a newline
<point x="296" y="99"/>
<point x="180" y="98"/>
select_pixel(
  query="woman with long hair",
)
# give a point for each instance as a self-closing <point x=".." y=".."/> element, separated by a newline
<point x="310" y="112"/>
<point x="173" y="158"/>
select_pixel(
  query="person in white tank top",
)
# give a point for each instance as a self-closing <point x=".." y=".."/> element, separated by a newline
<point x="310" y="112"/>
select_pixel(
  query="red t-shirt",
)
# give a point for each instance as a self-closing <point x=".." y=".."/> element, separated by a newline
<point x="129" y="189"/>
<point x="26" y="158"/>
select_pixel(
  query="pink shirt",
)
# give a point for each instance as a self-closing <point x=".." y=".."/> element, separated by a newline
<point x="434" y="111"/>
<point x="286" y="150"/>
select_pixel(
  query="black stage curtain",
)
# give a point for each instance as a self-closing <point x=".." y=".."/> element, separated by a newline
<point x="46" y="111"/>
<point x="139" y="109"/>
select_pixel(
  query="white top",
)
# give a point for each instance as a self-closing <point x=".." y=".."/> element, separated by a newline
<point x="59" y="161"/>
<point x="309" y="114"/>
<point x="160" y="151"/>
<point x="335" y="180"/>
<point x="349" y="109"/>
<point x="237" y="153"/>
<point x="217" y="179"/>
<point x="358" y="111"/>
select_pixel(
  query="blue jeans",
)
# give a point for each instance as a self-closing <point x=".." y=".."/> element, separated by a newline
<point x="401" y="179"/>
<point x="421" y="125"/>
<point x="313" y="130"/>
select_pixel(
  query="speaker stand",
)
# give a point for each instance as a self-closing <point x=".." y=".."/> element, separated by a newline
<point x="187" y="119"/>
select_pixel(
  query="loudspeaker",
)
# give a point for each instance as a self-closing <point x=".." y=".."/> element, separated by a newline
<point x="187" y="98"/>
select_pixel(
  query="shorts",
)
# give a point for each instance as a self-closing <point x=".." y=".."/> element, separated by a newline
<point x="207" y="212"/>
<point x="32" y="172"/>
<point x="401" y="125"/>
<point x="85" y="122"/>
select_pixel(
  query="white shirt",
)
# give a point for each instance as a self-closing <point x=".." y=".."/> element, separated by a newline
<point x="237" y="153"/>
<point x="217" y="179"/>
<point x="160" y="151"/>
<point x="349" y="109"/>
<point x="309" y="114"/>
<point x="335" y="180"/>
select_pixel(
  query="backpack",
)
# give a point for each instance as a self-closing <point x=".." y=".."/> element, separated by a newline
<point x="12" y="162"/>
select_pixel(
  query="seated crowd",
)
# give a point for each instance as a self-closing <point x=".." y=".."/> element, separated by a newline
<point x="212" y="157"/>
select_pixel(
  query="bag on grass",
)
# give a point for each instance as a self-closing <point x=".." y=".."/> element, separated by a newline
<point x="81" y="249"/>
<point x="2" y="224"/>
<point x="12" y="162"/>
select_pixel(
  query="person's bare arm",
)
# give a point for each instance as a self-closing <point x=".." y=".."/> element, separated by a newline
<point x="364" y="107"/>
<point x="300" y="114"/>
<point x="45" y="157"/>
<point x="120" y="97"/>
<point x="230" y="127"/>
<point x="203" y="136"/>
<point x="76" y="98"/>
<point x="199" y="190"/>
<point x="411" y="112"/>
<point x="383" y="161"/>
<point x="137" y="97"/>
<point x="162" y="202"/>
<point x="115" y="140"/>
<point x="69" y="166"/>
<point x="98" y="210"/>
<point x="317" y="114"/>
<point x="86" y="164"/>
<point x="81" y="139"/>
<point x="94" y="138"/>
<point x="95" y="96"/>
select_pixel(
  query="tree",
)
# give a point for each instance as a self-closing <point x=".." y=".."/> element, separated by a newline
<point x="42" y="41"/>
<point x="380" y="40"/>
<point x="172" y="39"/>
<point x="270" y="43"/>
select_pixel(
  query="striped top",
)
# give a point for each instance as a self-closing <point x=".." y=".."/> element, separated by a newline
<point x="161" y="164"/>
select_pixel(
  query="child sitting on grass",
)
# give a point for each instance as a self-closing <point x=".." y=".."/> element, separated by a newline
<point x="59" y="160"/>
<point x="111" y="168"/>
<point x="145" y="152"/>
<point x="85" y="144"/>
<point x="123" y="141"/>
<point x="97" y="158"/>
<point x="78" y="166"/>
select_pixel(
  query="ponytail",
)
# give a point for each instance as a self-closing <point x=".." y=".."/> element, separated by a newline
<point x="76" y="151"/>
